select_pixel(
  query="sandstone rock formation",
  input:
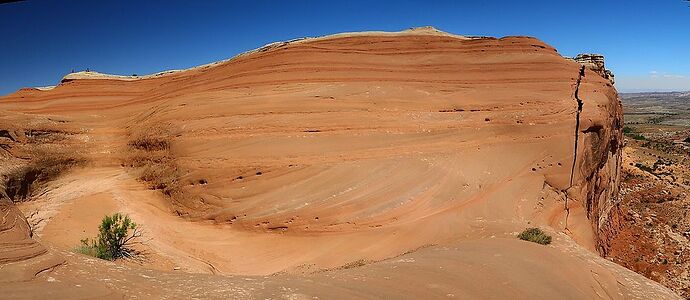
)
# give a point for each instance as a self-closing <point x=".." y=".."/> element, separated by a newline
<point x="595" y="62"/>
<point x="335" y="152"/>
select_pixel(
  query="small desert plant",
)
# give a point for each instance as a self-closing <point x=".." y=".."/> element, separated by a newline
<point x="87" y="248"/>
<point x="535" y="235"/>
<point x="114" y="239"/>
<point x="152" y="156"/>
<point x="637" y="136"/>
<point x="644" y="168"/>
<point x="150" y="143"/>
<point x="630" y="132"/>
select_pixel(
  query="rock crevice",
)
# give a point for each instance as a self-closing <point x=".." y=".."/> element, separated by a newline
<point x="596" y="168"/>
<point x="595" y="62"/>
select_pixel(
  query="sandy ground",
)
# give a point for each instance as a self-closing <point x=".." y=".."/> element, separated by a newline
<point x="466" y="270"/>
<point x="77" y="220"/>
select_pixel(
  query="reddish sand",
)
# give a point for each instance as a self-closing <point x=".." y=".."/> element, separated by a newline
<point x="329" y="161"/>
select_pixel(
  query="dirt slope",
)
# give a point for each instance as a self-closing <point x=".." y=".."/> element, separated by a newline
<point x="321" y="155"/>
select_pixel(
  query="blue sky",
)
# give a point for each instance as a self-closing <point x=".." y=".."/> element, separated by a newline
<point x="646" y="43"/>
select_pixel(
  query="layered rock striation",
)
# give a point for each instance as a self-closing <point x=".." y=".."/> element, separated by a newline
<point x="358" y="147"/>
<point x="595" y="62"/>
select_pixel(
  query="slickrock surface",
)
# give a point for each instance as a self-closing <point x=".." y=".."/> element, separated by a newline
<point x="368" y="165"/>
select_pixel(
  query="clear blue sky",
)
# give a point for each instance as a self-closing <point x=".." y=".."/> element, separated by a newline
<point x="646" y="43"/>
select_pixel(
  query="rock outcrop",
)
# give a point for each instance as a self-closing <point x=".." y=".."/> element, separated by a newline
<point x="354" y="148"/>
<point x="600" y="165"/>
<point x="356" y="107"/>
<point x="595" y="62"/>
<point x="21" y="257"/>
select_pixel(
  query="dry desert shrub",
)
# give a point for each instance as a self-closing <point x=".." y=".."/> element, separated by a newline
<point x="535" y="235"/>
<point x="45" y="165"/>
<point x="151" y="142"/>
<point x="116" y="236"/>
<point x="152" y="157"/>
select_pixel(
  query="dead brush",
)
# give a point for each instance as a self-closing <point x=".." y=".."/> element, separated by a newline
<point x="154" y="163"/>
<point x="45" y="165"/>
<point x="150" y="143"/>
<point x="151" y="139"/>
<point x="43" y="136"/>
<point x="163" y="178"/>
<point x="151" y="155"/>
<point x="141" y="158"/>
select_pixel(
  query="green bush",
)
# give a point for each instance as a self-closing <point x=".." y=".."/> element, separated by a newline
<point x="535" y="235"/>
<point x="114" y="239"/>
<point x="644" y="168"/>
<point x="630" y="132"/>
<point x="637" y="136"/>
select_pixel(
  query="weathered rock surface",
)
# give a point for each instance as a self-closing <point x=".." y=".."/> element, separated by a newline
<point x="595" y="62"/>
<point x="339" y="151"/>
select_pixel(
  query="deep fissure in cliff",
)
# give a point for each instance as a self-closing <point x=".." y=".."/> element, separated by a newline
<point x="580" y="103"/>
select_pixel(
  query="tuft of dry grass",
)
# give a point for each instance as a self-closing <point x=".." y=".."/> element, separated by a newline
<point x="152" y="158"/>
<point x="45" y="136"/>
<point x="150" y="143"/>
<point x="44" y="166"/>
<point x="33" y="152"/>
